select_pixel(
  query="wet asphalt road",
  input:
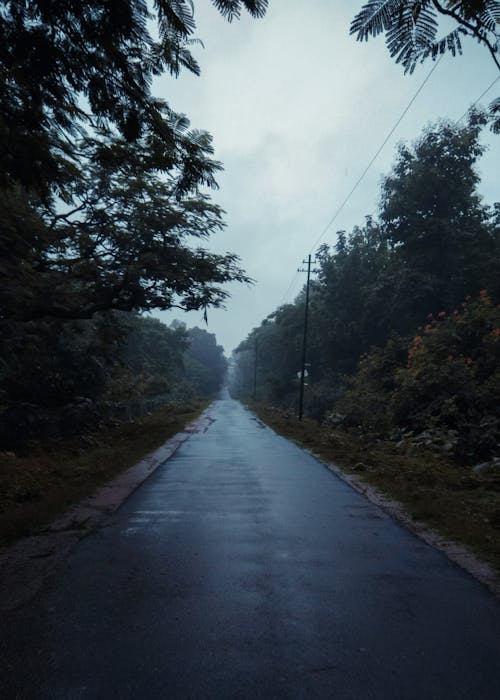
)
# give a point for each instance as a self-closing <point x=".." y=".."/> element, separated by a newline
<point x="243" y="568"/>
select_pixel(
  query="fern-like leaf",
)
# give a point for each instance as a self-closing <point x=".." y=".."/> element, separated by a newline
<point x="231" y="9"/>
<point x="375" y="17"/>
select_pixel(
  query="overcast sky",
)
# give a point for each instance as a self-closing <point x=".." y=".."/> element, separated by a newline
<point x="297" y="109"/>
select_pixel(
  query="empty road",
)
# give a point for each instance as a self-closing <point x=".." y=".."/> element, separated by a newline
<point x="243" y="568"/>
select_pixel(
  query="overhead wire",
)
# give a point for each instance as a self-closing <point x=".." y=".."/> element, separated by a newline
<point x="379" y="150"/>
<point x="361" y="177"/>
<point x="477" y="100"/>
<point x="377" y="153"/>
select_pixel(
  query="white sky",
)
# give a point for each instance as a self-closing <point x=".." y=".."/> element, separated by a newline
<point x="297" y="109"/>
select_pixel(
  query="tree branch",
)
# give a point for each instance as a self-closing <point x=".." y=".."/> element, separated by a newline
<point x="470" y="27"/>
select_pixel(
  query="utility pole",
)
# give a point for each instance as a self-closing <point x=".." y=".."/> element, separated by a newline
<point x="256" y="349"/>
<point x="304" y="340"/>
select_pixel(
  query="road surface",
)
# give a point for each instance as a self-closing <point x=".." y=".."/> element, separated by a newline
<point x="243" y="568"/>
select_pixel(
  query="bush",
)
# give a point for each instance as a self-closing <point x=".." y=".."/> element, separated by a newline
<point x="366" y="401"/>
<point x="449" y="383"/>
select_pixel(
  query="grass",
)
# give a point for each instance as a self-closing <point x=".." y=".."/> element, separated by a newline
<point x="40" y="482"/>
<point x="450" y="499"/>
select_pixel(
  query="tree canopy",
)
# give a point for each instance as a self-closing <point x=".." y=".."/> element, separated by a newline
<point x="406" y="274"/>
<point x="67" y="66"/>
<point x="123" y="241"/>
<point x="413" y="32"/>
<point x="100" y="188"/>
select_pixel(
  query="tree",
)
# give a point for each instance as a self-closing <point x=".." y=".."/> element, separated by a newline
<point x="204" y="361"/>
<point x="123" y="241"/>
<point x="443" y="239"/>
<point x="412" y="27"/>
<point x="99" y="190"/>
<point x="352" y="299"/>
<point x="149" y="358"/>
<point x="413" y="30"/>
<point x="435" y="243"/>
<point x="70" y="66"/>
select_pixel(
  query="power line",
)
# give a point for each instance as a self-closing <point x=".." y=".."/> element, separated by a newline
<point x="356" y="185"/>
<point x="479" y="98"/>
<point x="361" y="177"/>
<point x="285" y="295"/>
<point x="379" y="150"/>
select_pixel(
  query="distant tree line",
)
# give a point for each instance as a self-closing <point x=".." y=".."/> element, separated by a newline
<point x="68" y="377"/>
<point x="427" y="267"/>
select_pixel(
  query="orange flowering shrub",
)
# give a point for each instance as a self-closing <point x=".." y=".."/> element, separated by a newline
<point x="448" y="381"/>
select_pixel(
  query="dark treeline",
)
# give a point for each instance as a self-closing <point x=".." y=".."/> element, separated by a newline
<point x="103" y="212"/>
<point x="404" y="324"/>
<point x="67" y="377"/>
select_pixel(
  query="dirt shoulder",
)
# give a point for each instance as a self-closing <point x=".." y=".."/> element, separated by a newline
<point x="43" y="480"/>
<point x="81" y="502"/>
<point x="447" y="505"/>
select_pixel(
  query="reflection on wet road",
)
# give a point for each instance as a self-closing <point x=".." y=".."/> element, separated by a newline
<point x="244" y="569"/>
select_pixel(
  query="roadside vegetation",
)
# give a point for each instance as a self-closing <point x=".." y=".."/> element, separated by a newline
<point x="75" y="413"/>
<point x="461" y="504"/>
<point x="44" y="478"/>
<point x="403" y="347"/>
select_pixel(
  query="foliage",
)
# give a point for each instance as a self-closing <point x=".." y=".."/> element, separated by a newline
<point x="366" y="402"/>
<point x="448" y="384"/>
<point x="452" y="379"/>
<point x="411" y="27"/>
<point x="50" y="363"/>
<point x="444" y="240"/>
<point x="435" y="242"/>
<point x="350" y="308"/>
<point x="275" y="348"/>
<point x="69" y="66"/>
<point x="124" y="242"/>
<point x="60" y="377"/>
<point x="100" y="196"/>
<point x="149" y="359"/>
<point x="204" y="362"/>
<point x="414" y="30"/>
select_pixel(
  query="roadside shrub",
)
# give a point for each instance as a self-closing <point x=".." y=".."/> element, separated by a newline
<point x="366" y="401"/>
<point x="447" y="384"/>
<point x="452" y="378"/>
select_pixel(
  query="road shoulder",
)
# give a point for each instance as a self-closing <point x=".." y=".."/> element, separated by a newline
<point x="27" y="564"/>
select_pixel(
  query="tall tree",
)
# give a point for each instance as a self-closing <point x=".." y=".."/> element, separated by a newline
<point x="433" y="217"/>
<point x="434" y="244"/>
<point x="204" y="361"/>
<point x="99" y="188"/>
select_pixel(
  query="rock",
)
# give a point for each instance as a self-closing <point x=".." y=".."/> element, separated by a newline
<point x="360" y="467"/>
<point x="447" y="447"/>
<point x="482" y="467"/>
<point x="334" y="419"/>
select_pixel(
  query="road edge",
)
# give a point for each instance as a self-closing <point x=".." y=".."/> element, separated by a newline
<point x="26" y="564"/>
<point x="459" y="554"/>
